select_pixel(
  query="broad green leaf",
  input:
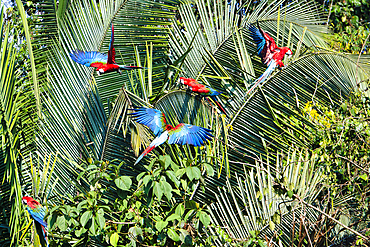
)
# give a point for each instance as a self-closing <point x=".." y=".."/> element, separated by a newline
<point x="193" y="172"/>
<point x="93" y="227"/>
<point x="86" y="216"/>
<point x="135" y="231"/>
<point x="146" y="179"/>
<point x="209" y="169"/>
<point x="62" y="224"/>
<point x="180" y="210"/>
<point x="173" y="178"/>
<point x="272" y="225"/>
<point x="167" y="161"/>
<point x="100" y="220"/>
<point x="167" y="189"/>
<point x="180" y="172"/>
<point x="160" y="225"/>
<point x="204" y="218"/>
<point x="114" y="239"/>
<point x="363" y="176"/>
<point x="123" y="182"/>
<point x="173" y="217"/>
<point x="158" y="190"/>
<point x="80" y="231"/>
<point x="173" y="235"/>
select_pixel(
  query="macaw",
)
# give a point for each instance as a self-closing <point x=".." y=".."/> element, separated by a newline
<point x="202" y="90"/>
<point x="270" y="53"/>
<point x="37" y="212"/>
<point x="181" y="134"/>
<point x="100" y="61"/>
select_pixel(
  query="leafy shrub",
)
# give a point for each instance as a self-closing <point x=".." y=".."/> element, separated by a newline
<point x="157" y="210"/>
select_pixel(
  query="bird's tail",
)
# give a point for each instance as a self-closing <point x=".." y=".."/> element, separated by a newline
<point x="45" y="235"/>
<point x="218" y="104"/>
<point x="264" y="76"/>
<point x="125" y="67"/>
<point x="146" y="151"/>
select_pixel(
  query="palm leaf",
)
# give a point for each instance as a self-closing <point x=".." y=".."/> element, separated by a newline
<point x="321" y="77"/>
<point x="252" y="203"/>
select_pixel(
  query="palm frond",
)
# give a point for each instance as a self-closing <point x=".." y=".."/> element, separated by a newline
<point x="253" y="202"/>
<point x="322" y="77"/>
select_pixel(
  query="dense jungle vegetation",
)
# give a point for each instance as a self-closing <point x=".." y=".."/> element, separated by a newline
<point x="289" y="162"/>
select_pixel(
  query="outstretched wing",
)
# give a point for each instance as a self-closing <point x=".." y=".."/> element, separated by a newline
<point x="266" y="46"/>
<point x="152" y="118"/>
<point x="38" y="214"/>
<point x="189" y="134"/>
<point x="89" y="58"/>
<point x="111" y="51"/>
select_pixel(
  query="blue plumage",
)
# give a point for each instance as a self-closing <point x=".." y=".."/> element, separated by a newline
<point x="88" y="57"/>
<point x="182" y="134"/>
<point x="38" y="214"/>
<point x="152" y="118"/>
<point x="258" y="38"/>
<point x="189" y="134"/>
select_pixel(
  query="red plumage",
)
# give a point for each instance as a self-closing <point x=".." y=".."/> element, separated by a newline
<point x="30" y="202"/>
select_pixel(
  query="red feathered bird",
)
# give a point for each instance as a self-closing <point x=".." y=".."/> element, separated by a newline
<point x="181" y="134"/>
<point x="37" y="212"/>
<point x="100" y="61"/>
<point x="270" y="53"/>
<point x="202" y="90"/>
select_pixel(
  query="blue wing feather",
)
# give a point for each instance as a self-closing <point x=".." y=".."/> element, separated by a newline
<point x="152" y="118"/>
<point x="189" y="134"/>
<point x="88" y="57"/>
<point x="258" y="38"/>
<point x="38" y="214"/>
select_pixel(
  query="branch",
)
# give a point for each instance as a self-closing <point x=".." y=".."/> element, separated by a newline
<point x="357" y="165"/>
<point x="333" y="219"/>
<point x="121" y="223"/>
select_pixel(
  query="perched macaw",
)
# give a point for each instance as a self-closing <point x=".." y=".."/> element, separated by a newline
<point x="270" y="53"/>
<point x="100" y="61"/>
<point x="181" y="134"/>
<point x="202" y="90"/>
<point x="37" y="212"/>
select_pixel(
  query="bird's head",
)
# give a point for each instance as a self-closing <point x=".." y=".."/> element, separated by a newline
<point x="29" y="201"/>
<point x="288" y="52"/>
<point x="26" y="199"/>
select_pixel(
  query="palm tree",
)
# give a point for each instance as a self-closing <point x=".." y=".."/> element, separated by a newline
<point x="83" y="117"/>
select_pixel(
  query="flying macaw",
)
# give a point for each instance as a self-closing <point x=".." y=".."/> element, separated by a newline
<point x="37" y="212"/>
<point x="202" y="90"/>
<point x="270" y="53"/>
<point x="100" y="61"/>
<point x="181" y="134"/>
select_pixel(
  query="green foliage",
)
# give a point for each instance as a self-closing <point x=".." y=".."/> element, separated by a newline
<point x="350" y="21"/>
<point x="116" y="203"/>
<point x="156" y="209"/>
<point x="341" y="139"/>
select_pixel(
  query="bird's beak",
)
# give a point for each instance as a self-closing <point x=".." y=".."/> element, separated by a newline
<point x="119" y="71"/>
<point x="98" y="72"/>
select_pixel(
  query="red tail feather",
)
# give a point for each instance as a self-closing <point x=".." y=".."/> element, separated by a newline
<point x="146" y="151"/>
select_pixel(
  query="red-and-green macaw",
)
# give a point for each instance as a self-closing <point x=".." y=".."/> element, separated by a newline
<point x="202" y="90"/>
<point x="181" y="134"/>
<point x="37" y="212"/>
<point x="100" y="61"/>
<point x="270" y="53"/>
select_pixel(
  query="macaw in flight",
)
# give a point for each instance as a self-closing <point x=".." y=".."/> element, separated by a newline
<point x="37" y="212"/>
<point x="100" y="61"/>
<point x="270" y="53"/>
<point x="181" y="134"/>
<point x="202" y="90"/>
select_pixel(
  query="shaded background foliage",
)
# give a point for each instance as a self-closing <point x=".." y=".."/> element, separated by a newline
<point x="350" y="21"/>
<point x="84" y="118"/>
